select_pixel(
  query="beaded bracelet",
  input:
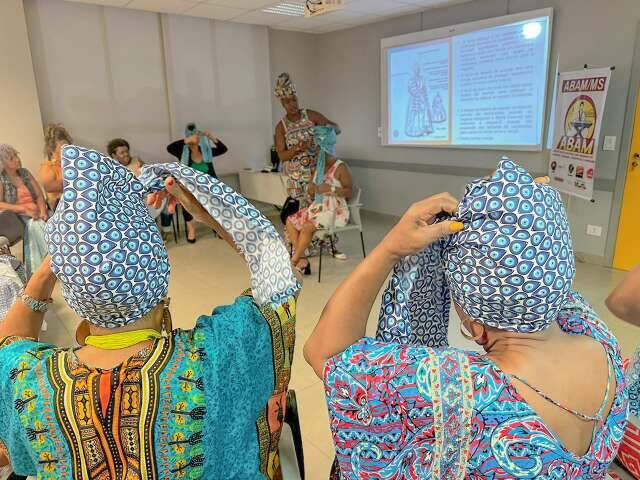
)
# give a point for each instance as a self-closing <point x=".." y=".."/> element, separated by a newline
<point x="36" y="305"/>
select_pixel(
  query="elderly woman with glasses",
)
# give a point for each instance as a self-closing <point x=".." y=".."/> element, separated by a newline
<point x="20" y="193"/>
<point x="138" y="399"/>
<point x="547" y="397"/>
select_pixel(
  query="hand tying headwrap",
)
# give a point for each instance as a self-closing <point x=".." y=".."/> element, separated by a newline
<point x="105" y="248"/>
<point x="107" y="252"/>
<point x="511" y="268"/>
<point x="325" y="138"/>
<point x="284" y="86"/>
<point x="205" y="146"/>
<point x="272" y="278"/>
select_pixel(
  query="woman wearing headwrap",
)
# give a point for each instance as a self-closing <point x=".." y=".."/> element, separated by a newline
<point x="139" y="400"/>
<point x="332" y="188"/>
<point x="196" y="150"/>
<point x="294" y="140"/>
<point x="20" y="193"/>
<point x="624" y="303"/>
<point x="546" y="400"/>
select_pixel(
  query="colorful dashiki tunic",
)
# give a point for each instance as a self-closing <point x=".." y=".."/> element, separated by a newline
<point x="410" y="412"/>
<point x="199" y="404"/>
<point x="299" y="169"/>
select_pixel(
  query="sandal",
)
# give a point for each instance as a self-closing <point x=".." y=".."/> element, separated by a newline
<point x="306" y="270"/>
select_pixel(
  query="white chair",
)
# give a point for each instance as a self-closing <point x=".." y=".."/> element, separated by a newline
<point x="355" y="223"/>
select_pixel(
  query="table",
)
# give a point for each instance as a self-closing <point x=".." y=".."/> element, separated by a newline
<point x="263" y="187"/>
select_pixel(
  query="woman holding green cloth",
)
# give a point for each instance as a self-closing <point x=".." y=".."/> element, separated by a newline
<point x="196" y="150"/>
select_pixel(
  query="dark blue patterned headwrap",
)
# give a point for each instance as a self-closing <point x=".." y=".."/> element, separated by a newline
<point x="511" y="268"/>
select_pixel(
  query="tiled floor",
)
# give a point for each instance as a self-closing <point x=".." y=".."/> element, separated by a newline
<point x="209" y="273"/>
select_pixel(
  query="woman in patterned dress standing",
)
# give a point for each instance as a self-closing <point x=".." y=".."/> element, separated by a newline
<point x="296" y="146"/>
<point x="294" y="140"/>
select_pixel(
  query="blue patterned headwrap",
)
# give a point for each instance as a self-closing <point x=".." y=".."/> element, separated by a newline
<point x="511" y="268"/>
<point x="272" y="278"/>
<point x="105" y="247"/>
<point x="325" y="138"/>
<point x="205" y="146"/>
<point x="107" y="251"/>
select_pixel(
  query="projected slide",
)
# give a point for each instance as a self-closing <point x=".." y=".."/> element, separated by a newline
<point x="480" y="88"/>
<point x="419" y="85"/>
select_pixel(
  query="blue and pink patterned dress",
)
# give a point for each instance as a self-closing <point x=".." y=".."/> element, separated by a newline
<point x="410" y="412"/>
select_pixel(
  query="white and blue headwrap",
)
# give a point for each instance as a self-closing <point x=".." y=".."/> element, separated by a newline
<point x="108" y="254"/>
<point x="511" y="268"/>
<point x="272" y="278"/>
<point x="105" y="248"/>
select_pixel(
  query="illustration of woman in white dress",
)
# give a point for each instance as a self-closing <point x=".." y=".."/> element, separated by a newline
<point x="439" y="113"/>
<point x="419" y="122"/>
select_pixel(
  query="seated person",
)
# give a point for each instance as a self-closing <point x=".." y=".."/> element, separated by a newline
<point x="196" y="150"/>
<point x="50" y="174"/>
<point x="332" y="187"/>
<point x="20" y="193"/>
<point x="119" y="150"/>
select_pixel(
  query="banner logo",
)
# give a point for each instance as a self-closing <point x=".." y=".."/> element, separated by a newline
<point x="579" y="126"/>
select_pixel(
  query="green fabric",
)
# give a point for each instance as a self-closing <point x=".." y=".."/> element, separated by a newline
<point x="200" y="166"/>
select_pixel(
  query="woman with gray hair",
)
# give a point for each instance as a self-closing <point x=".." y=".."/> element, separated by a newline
<point x="21" y="194"/>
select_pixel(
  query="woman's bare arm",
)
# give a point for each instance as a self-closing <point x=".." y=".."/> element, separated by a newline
<point x="320" y="119"/>
<point x="21" y="321"/>
<point x="343" y="174"/>
<point x="624" y="300"/>
<point x="344" y="319"/>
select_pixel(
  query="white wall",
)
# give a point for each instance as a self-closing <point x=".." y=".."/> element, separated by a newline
<point x="218" y="74"/>
<point x="20" y="123"/>
<point x="108" y="72"/>
<point x="348" y="66"/>
<point x="297" y="54"/>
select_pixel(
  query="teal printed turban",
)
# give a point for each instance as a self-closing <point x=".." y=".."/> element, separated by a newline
<point x="105" y="247"/>
<point x="325" y="138"/>
<point x="511" y="268"/>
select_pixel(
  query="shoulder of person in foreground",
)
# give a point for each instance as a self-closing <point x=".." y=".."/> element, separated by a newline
<point x="624" y="300"/>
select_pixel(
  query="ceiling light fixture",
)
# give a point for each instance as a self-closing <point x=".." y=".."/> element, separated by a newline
<point x="286" y="8"/>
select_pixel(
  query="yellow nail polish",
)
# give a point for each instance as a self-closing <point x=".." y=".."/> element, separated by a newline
<point x="457" y="226"/>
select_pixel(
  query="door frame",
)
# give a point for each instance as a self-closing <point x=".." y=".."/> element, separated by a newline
<point x="633" y="96"/>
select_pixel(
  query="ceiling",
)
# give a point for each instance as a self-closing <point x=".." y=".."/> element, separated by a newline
<point x="356" y="12"/>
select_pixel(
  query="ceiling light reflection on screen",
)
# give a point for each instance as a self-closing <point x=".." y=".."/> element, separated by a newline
<point x="531" y="30"/>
